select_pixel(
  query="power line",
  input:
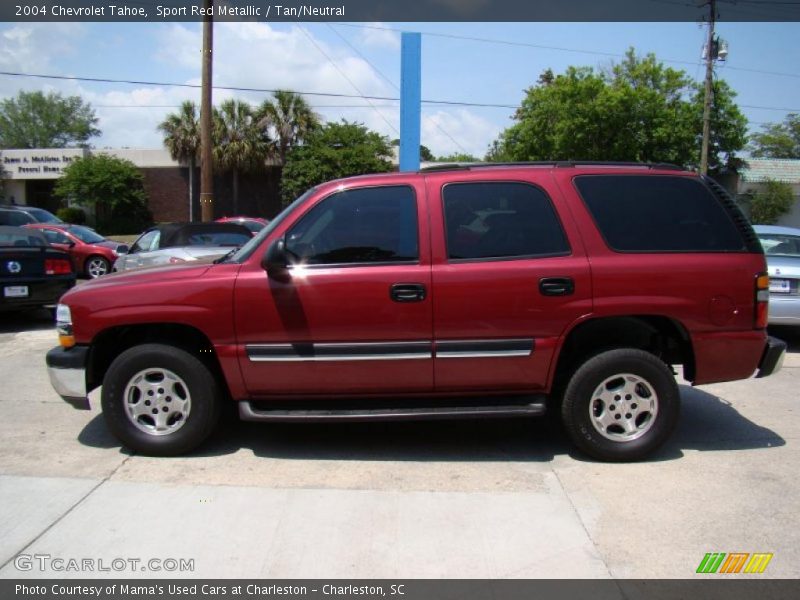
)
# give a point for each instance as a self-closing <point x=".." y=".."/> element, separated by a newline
<point x="249" y="89"/>
<point x="350" y="81"/>
<point x="395" y="86"/>
<point x="557" y="48"/>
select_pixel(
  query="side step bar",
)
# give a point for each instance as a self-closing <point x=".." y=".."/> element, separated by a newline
<point x="248" y="412"/>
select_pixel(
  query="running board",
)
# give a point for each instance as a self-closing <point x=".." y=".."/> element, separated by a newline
<point x="248" y="412"/>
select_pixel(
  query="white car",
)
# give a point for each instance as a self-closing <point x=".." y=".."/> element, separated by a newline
<point x="182" y="242"/>
<point x="782" y="248"/>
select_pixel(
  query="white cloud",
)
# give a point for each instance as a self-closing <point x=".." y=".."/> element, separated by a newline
<point x="377" y="35"/>
<point x="472" y="132"/>
<point x="249" y="55"/>
<point x="29" y="48"/>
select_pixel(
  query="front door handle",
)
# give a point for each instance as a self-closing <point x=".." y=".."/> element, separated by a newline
<point x="407" y="292"/>
<point x="556" y="286"/>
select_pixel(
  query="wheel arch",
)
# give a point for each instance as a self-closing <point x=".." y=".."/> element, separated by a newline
<point x="660" y="335"/>
<point x="108" y="344"/>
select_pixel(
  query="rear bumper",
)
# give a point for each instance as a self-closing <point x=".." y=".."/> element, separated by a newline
<point x="40" y="292"/>
<point x="67" y="370"/>
<point x="784" y="310"/>
<point x="772" y="359"/>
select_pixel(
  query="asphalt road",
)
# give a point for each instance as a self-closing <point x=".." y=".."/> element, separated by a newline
<point x="491" y="499"/>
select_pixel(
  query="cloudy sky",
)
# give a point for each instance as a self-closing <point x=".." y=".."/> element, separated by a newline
<point x="471" y="63"/>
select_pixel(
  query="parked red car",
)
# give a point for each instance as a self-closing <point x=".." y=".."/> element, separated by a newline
<point x="254" y="224"/>
<point x="476" y="291"/>
<point x="92" y="254"/>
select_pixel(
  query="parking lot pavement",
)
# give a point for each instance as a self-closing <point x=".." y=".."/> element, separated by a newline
<point x="492" y="499"/>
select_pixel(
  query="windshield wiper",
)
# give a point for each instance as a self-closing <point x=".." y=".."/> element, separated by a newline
<point x="225" y="256"/>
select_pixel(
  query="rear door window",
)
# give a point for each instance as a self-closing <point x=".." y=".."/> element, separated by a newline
<point x="497" y="220"/>
<point x="655" y="213"/>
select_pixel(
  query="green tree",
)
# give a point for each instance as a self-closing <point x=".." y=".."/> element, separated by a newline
<point x="113" y="187"/>
<point x="769" y="205"/>
<point x="36" y="120"/>
<point x="288" y="119"/>
<point x="777" y="140"/>
<point x="457" y="157"/>
<point x="239" y="143"/>
<point x="425" y="153"/>
<point x="182" y="138"/>
<point x="637" y="110"/>
<point x="334" y="150"/>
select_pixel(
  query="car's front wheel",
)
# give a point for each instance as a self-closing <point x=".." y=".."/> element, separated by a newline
<point x="96" y="266"/>
<point x="621" y="405"/>
<point x="160" y="400"/>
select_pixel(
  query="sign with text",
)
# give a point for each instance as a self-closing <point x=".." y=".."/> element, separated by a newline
<point x="41" y="163"/>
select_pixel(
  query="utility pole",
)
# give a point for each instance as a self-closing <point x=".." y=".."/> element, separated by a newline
<point x="710" y="56"/>
<point x="206" y="143"/>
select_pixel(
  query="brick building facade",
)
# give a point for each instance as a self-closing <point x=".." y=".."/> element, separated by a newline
<point x="29" y="176"/>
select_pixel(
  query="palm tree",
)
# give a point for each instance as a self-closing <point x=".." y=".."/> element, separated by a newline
<point x="239" y="143"/>
<point x="182" y="138"/>
<point x="288" y="118"/>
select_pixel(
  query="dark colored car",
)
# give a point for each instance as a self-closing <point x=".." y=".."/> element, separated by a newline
<point x="473" y="291"/>
<point x="32" y="273"/>
<point x="182" y="242"/>
<point x="40" y="215"/>
<point x="92" y="254"/>
<point x="254" y="224"/>
<point x="15" y="218"/>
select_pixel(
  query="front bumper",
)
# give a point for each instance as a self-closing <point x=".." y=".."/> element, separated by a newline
<point x="772" y="359"/>
<point x="67" y="370"/>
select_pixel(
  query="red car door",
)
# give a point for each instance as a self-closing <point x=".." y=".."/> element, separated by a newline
<point x="509" y="276"/>
<point x="354" y="314"/>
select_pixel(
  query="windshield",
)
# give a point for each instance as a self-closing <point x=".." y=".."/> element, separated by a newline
<point x="87" y="236"/>
<point x="43" y="216"/>
<point x="247" y="250"/>
<point x="780" y="244"/>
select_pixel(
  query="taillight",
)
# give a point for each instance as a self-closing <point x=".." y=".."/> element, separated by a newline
<point x="762" y="301"/>
<point x="57" y="266"/>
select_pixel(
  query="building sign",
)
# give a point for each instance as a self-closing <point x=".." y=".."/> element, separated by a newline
<point x="47" y="163"/>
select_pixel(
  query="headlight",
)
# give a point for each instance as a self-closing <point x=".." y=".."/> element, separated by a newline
<point x="64" y="326"/>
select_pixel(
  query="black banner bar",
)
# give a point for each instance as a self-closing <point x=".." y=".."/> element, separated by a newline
<point x="714" y="587"/>
<point x="286" y="11"/>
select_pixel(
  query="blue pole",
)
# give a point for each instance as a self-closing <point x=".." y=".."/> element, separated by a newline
<point x="410" y="100"/>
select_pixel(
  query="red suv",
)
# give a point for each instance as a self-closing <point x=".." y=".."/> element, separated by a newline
<point x="480" y="291"/>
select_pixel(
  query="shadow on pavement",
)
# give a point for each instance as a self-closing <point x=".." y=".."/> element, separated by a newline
<point x="790" y="335"/>
<point x="29" y="320"/>
<point x="707" y="423"/>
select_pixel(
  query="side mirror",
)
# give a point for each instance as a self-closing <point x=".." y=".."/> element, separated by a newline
<point x="276" y="261"/>
<point x="123" y="249"/>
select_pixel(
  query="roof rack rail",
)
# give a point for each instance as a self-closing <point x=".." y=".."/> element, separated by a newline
<point x="549" y="163"/>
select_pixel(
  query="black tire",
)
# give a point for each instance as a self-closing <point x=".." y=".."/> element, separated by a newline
<point x="579" y="404"/>
<point x="94" y="265"/>
<point x="200" y="385"/>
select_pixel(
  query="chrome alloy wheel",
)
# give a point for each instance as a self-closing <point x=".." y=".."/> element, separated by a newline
<point x="623" y="407"/>
<point x="157" y="401"/>
<point x="96" y="267"/>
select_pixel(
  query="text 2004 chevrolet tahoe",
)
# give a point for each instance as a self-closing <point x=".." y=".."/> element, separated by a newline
<point x="469" y="291"/>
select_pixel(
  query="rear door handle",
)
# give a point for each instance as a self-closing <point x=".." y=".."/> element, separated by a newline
<point x="407" y="292"/>
<point x="556" y="286"/>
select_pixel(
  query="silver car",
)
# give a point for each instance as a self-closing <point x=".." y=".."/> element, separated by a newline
<point x="782" y="248"/>
<point x="182" y="242"/>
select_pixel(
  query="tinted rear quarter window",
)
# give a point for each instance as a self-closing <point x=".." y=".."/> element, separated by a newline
<point x="656" y="213"/>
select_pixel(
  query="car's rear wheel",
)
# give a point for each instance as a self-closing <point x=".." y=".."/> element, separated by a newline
<point x="96" y="266"/>
<point x="160" y="400"/>
<point x="621" y="405"/>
